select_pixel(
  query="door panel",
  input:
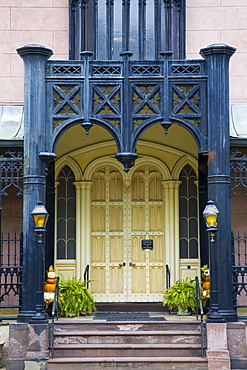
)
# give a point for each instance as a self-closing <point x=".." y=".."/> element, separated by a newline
<point x="121" y="218"/>
<point x="108" y="238"/>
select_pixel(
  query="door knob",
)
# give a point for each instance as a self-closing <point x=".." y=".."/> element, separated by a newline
<point x="132" y="264"/>
<point x="122" y="264"/>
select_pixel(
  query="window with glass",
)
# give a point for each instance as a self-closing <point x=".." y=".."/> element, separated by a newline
<point x="144" y="27"/>
<point x="66" y="213"/>
<point x="188" y="214"/>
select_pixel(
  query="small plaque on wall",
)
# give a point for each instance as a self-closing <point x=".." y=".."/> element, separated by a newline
<point x="147" y="244"/>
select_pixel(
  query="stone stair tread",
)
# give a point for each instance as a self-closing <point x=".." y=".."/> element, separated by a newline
<point x="127" y="345"/>
<point x="67" y="320"/>
<point x="98" y="322"/>
<point x="126" y="332"/>
<point x="128" y="359"/>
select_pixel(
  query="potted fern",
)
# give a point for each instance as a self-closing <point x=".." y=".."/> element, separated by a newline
<point x="74" y="299"/>
<point x="181" y="296"/>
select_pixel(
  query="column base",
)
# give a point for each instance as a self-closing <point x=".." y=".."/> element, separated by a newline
<point x="40" y="316"/>
<point x="222" y="316"/>
<point x="214" y="316"/>
<point x="228" y="315"/>
<point x="25" y="316"/>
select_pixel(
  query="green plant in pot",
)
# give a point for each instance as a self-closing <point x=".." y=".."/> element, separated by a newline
<point x="74" y="299"/>
<point x="181" y="296"/>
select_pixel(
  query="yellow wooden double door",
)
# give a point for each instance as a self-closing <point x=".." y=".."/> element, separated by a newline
<point x="123" y="213"/>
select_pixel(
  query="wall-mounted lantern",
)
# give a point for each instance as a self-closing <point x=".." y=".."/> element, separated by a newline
<point x="210" y="215"/>
<point x="40" y="217"/>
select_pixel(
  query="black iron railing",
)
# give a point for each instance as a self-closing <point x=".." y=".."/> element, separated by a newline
<point x="54" y="314"/>
<point x="168" y="277"/>
<point x="199" y="305"/>
<point x="86" y="276"/>
<point x="199" y="311"/>
<point x="10" y="273"/>
<point x="239" y="270"/>
<point x="168" y="280"/>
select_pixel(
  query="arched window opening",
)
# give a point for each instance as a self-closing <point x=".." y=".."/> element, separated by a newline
<point x="144" y="27"/>
<point x="66" y="213"/>
<point x="188" y="214"/>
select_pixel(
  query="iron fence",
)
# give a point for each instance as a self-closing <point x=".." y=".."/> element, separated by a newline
<point x="239" y="269"/>
<point x="10" y="271"/>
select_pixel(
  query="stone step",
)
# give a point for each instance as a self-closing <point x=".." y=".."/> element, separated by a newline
<point x="91" y="344"/>
<point x="122" y="363"/>
<point x="100" y="325"/>
<point x="73" y="337"/>
<point x="126" y="350"/>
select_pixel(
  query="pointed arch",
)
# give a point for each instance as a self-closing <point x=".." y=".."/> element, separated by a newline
<point x="154" y="162"/>
<point x="186" y="159"/>
<point x="65" y="233"/>
<point x="67" y="160"/>
<point x="188" y="213"/>
<point x="67" y="124"/>
<point x="200" y="138"/>
<point x="109" y="160"/>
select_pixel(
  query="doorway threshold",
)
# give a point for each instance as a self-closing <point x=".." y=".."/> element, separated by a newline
<point x="131" y="307"/>
<point x="127" y="316"/>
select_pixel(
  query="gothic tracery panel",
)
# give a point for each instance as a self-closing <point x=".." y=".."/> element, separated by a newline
<point x="186" y="102"/>
<point x="66" y="102"/>
<point x="146" y="102"/>
<point x="106" y="102"/>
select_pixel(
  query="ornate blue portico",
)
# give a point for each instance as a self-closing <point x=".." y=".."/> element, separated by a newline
<point x="127" y="97"/>
<point x="127" y="72"/>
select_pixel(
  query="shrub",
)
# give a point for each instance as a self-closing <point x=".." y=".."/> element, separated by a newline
<point x="74" y="299"/>
<point x="182" y="295"/>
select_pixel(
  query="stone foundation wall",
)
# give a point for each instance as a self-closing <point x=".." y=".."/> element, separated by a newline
<point x="4" y="344"/>
<point x="28" y="346"/>
<point x="226" y="346"/>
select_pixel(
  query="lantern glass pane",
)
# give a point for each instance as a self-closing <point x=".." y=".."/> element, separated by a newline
<point x="211" y="220"/>
<point x="39" y="220"/>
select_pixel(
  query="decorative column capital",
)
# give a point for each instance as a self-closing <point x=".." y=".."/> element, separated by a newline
<point x="34" y="49"/>
<point x="217" y="49"/>
<point x="171" y="184"/>
<point x="83" y="185"/>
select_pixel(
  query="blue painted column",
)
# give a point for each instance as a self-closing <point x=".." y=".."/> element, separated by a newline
<point x="218" y="57"/>
<point x="34" y="182"/>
